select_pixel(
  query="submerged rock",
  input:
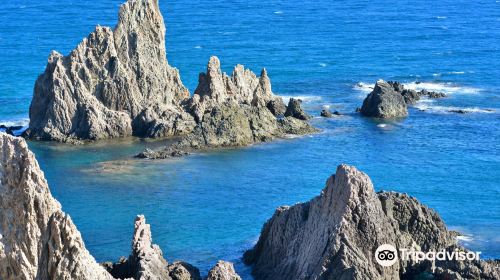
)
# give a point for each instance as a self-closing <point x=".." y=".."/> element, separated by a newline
<point x="335" y="236"/>
<point x="115" y="83"/>
<point x="384" y="102"/>
<point x="412" y="96"/>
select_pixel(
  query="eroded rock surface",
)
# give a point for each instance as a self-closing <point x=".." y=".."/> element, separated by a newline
<point x="384" y="102"/>
<point x="335" y="236"/>
<point x="234" y="111"/>
<point x="115" y="83"/>
<point x="37" y="239"/>
<point x="223" y="271"/>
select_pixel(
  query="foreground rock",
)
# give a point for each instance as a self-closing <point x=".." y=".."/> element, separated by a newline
<point x="223" y="271"/>
<point x="115" y="83"/>
<point x="39" y="241"/>
<point x="234" y="112"/>
<point x="335" y="236"/>
<point x="384" y="102"/>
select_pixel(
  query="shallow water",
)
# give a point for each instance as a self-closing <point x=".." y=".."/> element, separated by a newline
<point x="212" y="206"/>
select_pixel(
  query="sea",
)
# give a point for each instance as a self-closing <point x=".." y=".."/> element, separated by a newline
<point x="211" y="206"/>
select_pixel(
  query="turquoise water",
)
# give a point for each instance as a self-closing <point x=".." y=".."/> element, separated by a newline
<point x="212" y="206"/>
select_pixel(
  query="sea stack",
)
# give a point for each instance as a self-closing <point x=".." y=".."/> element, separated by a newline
<point x="384" y="102"/>
<point x="336" y="234"/>
<point x="115" y="83"/>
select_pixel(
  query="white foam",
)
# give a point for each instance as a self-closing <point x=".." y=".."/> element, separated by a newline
<point x="21" y="122"/>
<point x="304" y="98"/>
<point x="364" y="87"/>
<point x="278" y="12"/>
<point x="441" y="17"/>
<point x="197" y="47"/>
<point x="382" y="125"/>
<point x="448" y="88"/>
<point x="449" y="109"/>
<point x="322" y="64"/>
<point x="465" y="238"/>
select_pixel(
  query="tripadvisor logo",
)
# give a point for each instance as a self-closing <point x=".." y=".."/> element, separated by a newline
<point x="387" y="255"/>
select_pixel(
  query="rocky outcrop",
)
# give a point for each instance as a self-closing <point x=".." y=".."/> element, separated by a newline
<point x="335" y="236"/>
<point x="115" y="83"/>
<point x="233" y="112"/>
<point x="37" y="239"/>
<point x="384" y="102"/>
<point x="223" y="271"/>
<point x="294" y="109"/>
<point x="412" y="96"/>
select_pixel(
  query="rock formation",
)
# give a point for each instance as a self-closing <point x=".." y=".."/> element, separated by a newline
<point x="39" y="241"/>
<point x="115" y="83"/>
<point x="233" y="112"/>
<point x="294" y="109"/>
<point x="326" y="113"/>
<point x="223" y="271"/>
<point x="384" y="102"/>
<point x="412" y="96"/>
<point x="335" y="236"/>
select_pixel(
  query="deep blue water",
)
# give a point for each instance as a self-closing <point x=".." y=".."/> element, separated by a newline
<point x="212" y="206"/>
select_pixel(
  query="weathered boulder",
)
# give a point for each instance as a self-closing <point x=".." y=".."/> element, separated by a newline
<point x="326" y="113"/>
<point x="384" y="102"/>
<point x="335" y="236"/>
<point x="223" y="271"/>
<point x="294" y="109"/>
<point x="38" y="240"/>
<point x="108" y="80"/>
<point x="277" y="106"/>
<point x="183" y="271"/>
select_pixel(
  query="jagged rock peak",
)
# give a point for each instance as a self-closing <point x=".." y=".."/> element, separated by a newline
<point x="37" y="239"/>
<point x="243" y="86"/>
<point x="335" y="236"/>
<point x="108" y="80"/>
<point x="223" y="271"/>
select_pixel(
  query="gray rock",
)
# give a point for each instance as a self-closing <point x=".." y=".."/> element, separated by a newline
<point x="38" y="240"/>
<point x="102" y="86"/>
<point x="223" y="271"/>
<point x="232" y="111"/>
<point x="384" y="102"/>
<point x="294" y="109"/>
<point x="183" y="271"/>
<point x="335" y="236"/>
<point x="326" y="113"/>
<point x="277" y="106"/>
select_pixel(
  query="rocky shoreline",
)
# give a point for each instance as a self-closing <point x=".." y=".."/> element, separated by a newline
<point x="333" y="236"/>
<point x="39" y="241"/>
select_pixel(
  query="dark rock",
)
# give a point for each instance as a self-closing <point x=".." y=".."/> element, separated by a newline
<point x="326" y="113"/>
<point x="183" y="271"/>
<point x="384" y="102"/>
<point x="294" y="109"/>
<point x="277" y="106"/>
<point x="458" y="111"/>
<point x="337" y="113"/>
<point x="410" y="96"/>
